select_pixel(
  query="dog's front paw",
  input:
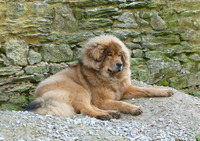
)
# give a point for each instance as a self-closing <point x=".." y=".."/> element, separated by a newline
<point x="115" y="115"/>
<point x="167" y="92"/>
<point x="136" y="111"/>
<point x="104" y="117"/>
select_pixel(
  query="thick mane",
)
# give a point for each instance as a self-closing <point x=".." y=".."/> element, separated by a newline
<point x="94" y="48"/>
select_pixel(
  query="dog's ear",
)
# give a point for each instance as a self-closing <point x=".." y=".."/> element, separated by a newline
<point x="96" y="52"/>
<point x="126" y="58"/>
<point x="123" y="57"/>
<point x="93" y="55"/>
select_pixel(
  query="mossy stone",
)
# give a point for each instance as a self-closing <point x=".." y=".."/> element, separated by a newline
<point x="133" y="5"/>
<point x="56" y="53"/>
<point x="96" y="23"/>
<point x="20" y="89"/>
<point x="34" y="57"/>
<point x="39" y="69"/>
<point x="20" y="100"/>
<point x="16" y="51"/>
<point x="102" y="12"/>
<point x="5" y="71"/>
<point x="10" y="107"/>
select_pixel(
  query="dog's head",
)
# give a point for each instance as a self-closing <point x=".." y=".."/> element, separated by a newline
<point x="106" y="54"/>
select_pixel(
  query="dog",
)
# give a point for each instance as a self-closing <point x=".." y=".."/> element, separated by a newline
<point x="95" y="85"/>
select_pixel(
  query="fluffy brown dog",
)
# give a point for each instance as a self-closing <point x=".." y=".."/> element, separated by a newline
<point x="94" y="86"/>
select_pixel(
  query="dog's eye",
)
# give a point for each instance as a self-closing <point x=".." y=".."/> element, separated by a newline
<point x="109" y="54"/>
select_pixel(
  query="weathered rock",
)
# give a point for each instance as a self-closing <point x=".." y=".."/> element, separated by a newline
<point x="4" y="98"/>
<point x="19" y="89"/>
<point x="189" y="34"/>
<point x="77" y="53"/>
<point x="102" y="12"/>
<point x="133" y="5"/>
<point x="152" y="42"/>
<point x="141" y="21"/>
<point x="124" y="34"/>
<point x="90" y="3"/>
<point x="16" y="51"/>
<point x="195" y="57"/>
<point x="163" y="68"/>
<point x="154" y="54"/>
<point x="145" y="14"/>
<point x="43" y="9"/>
<point x="183" y="81"/>
<point x="15" y="10"/>
<point x="56" y="53"/>
<point x="127" y="17"/>
<point x="124" y="26"/>
<point x="180" y="81"/>
<point x="5" y="71"/>
<point x="133" y="46"/>
<point x="34" y="57"/>
<point x="9" y="107"/>
<point x="78" y="13"/>
<point x="20" y="100"/>
<point x="64" y="19"/>
<point x="38" y="69"/>
<point x="54" y="68"/>
<point x="72" y="38"/>
<point x="139" y="69"/>
<point x="137" y="53"/>
<point x="157" y="22"/>
<point x="96" y="23"/>
<point x="181" y="57"/>
<point x="32" y="78"/>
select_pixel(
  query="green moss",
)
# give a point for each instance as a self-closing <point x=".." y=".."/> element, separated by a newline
<point x="20" y="100"/>
<point x="78" y="13"/>
<point x="163" y="83"/>
<point x="9" y="107"/>
<point x="197" y="137"/>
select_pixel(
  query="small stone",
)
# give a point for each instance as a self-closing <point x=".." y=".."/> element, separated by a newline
<point x="195" y="57"/>
<point x="60" y="54"/>
<point x="16" y="51"/>
<point x="4" y="71"/>
<point x="15" y="10"/>
<point x="96" y="23"/>
<point x="157" y="22"/>
<point x="102" y="12"/>
<point x="64" y="19"/>
<point x="161" y="119"/>
<point x="133" y="5"/>
<point x="43" y="9"/>
<point x="124" y="26"/>
<point x="34" y="57"/>
<point x="39" y="69"/>
<point x="54" y="68"/>
<point x="137" y="53"/>
<point x="127" y="17"/>
<point x="133" y="46"/>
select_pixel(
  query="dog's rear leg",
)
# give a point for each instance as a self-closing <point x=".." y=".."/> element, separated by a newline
<point x="82" y="104"/>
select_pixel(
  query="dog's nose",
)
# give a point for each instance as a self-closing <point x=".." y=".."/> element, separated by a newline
<point x="119" y="64"/>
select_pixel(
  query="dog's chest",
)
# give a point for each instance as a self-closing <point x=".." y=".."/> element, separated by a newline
<point x="115" y="89"/>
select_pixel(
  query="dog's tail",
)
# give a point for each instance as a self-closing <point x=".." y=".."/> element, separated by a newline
<point x="50" y="106"/>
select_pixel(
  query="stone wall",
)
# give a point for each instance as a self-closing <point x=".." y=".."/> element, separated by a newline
<point x="41" y="37"/>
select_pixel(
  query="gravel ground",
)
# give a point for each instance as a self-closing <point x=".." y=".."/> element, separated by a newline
<point x="163" y="119"/>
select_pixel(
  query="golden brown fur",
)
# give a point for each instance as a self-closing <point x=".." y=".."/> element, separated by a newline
<point x="94" y="86"/>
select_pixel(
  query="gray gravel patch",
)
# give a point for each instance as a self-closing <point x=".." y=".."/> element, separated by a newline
<point x="163" y="119"/>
